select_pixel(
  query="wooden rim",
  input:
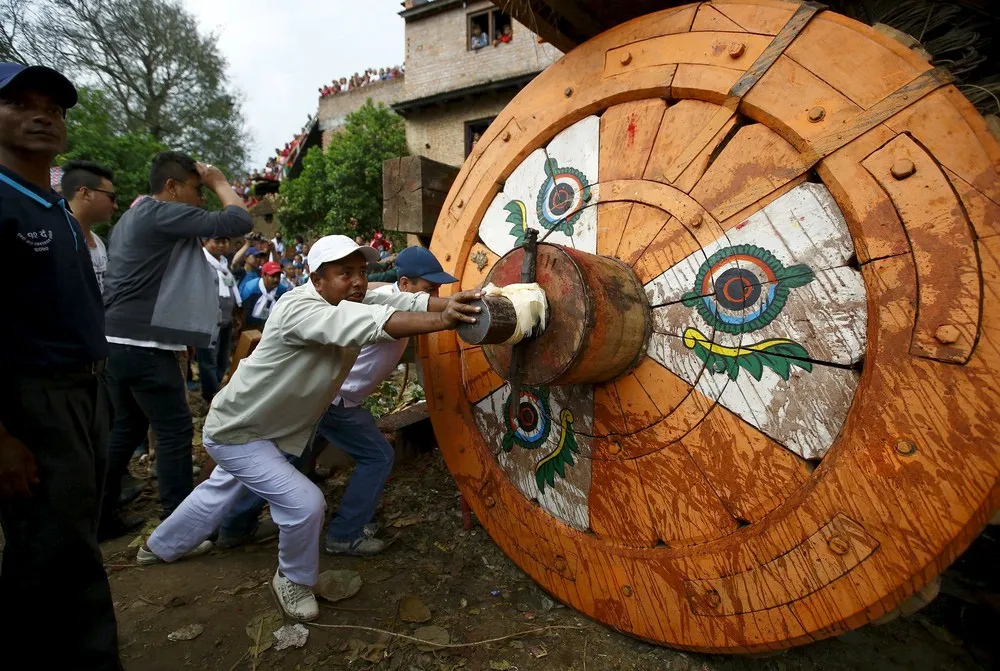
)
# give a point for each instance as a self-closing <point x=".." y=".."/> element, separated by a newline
<point x="706" y="532"/>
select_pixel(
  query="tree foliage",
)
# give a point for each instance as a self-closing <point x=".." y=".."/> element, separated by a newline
<point x="345" y="181"/>
<point x="93" y="135"/>
<point x="161" y="75"/>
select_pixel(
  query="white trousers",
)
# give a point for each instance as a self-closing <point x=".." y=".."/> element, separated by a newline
<point x="297" y="507"/>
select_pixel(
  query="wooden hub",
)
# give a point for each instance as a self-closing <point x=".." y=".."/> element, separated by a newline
<point x="809" y="434"/>
<point x="598" y="318"/>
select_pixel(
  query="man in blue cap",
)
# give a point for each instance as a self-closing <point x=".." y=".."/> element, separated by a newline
<point x="54" y="410"/>
<point x="351" y="427"/>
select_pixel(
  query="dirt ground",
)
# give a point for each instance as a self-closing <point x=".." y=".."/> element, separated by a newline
<point x="476" y="593"/>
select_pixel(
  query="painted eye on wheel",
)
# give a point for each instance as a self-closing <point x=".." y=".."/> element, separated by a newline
<point x="561" y="197"/>
<point x="743" y="288"/>
<point x="528" y="423"/>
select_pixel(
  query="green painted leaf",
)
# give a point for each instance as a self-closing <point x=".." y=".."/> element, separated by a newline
<point x="518" y="233"/>
<point x="779" y="365"/>
<point x="515" y="216"/>
<point x="796" y="276"/>
<point x="753" y="365"/>
<point x="791" y="349"/>
<point x="691" y="299"/>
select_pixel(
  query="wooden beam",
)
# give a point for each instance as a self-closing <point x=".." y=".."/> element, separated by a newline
<point x="583" y="23"/>
<point x="413" y="191"/>
<point x="541" y="20"/>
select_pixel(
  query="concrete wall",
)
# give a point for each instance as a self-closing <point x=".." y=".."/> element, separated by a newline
<point x="333" y="110"/>
<point x="439" y="132"/>
<point x="438" y="58"/>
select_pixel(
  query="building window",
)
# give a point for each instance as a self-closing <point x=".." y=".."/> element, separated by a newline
<point x="475" y="130"/>
<point x="492" y="27"/>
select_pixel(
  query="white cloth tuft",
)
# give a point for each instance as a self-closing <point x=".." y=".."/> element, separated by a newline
<point x="262" y="308"/>
<point x="530" y="306"/>
<point x="227" y="283"/>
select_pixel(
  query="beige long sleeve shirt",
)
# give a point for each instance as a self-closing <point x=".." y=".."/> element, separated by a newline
<point x="308" y="347"/>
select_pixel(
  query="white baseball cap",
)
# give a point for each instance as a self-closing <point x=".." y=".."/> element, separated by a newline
<point x="336" y="247"/>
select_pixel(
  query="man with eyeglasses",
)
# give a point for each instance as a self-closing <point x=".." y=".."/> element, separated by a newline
<point x="160" y="296"/>
<point x="90" y="194"/>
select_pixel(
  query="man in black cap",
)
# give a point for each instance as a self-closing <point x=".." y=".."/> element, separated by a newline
<point x="54" y="410"/>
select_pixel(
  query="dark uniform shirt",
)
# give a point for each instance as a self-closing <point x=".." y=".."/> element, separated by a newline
<point x="56" y="318"/>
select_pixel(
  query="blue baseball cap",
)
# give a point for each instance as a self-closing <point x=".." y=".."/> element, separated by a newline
<point x="253" y="251"/>
<point x="39" y="78"/>
<point x="419" y="263"/>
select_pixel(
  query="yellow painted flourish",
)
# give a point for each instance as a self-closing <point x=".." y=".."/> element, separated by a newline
<point x="695" y="338"/>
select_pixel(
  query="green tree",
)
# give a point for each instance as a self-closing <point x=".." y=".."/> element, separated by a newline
<point x="344" y="182"/>
<point x="160" y="74"/>
<point x="93" y="135"/>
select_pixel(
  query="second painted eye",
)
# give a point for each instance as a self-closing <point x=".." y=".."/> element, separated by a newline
<point x="743" y="288"/>
<point x="528" y="423"/>
<point x="561" y="196"/>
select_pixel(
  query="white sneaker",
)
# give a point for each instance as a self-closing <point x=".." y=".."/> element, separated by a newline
<point x="146" y="557"/>
<point x="296" y="600"/>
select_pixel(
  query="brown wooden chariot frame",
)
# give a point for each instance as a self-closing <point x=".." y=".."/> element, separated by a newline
<point x="703" y="532"/>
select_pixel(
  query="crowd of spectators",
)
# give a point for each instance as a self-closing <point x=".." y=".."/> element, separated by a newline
<point x="356" y="81"/>
<point x="276" y="168"/>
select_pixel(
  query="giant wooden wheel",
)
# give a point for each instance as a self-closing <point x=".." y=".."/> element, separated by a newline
<point x="767" y="404"/>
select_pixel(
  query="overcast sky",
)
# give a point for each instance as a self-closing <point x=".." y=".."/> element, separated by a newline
<point x="281" y="51"/>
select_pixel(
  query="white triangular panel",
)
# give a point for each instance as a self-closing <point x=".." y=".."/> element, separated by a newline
<point x="797" y="306"/>
<point x="567" y="498"/>
<point x="572" y="193"/>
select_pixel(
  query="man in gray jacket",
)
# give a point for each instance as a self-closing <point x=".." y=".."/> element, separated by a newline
<point x="160" y="295"/>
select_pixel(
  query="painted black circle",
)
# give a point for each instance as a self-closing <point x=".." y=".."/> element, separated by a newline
<point x="561" y="198"/>
<point x="527" y="416"/>
<point x="736" y="289"/>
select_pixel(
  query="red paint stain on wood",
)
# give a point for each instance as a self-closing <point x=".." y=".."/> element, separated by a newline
<point x="631" y="130"/>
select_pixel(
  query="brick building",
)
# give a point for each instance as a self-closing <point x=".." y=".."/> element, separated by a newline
<point x="453" y="91"/>
<point x="333" y="110"/>
<point x="450" y="91"/>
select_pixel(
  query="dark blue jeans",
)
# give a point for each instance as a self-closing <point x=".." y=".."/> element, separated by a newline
<point x="147" y="388"/>
<point x="354" y="431"/>
<point x="213" y="362"/>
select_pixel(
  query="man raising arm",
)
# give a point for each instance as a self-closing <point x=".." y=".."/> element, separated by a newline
<point x="160" y="296"/>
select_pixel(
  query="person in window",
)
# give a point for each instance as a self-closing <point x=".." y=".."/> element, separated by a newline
<point x="507" y="35"/>
<point x="479" y="39"/>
